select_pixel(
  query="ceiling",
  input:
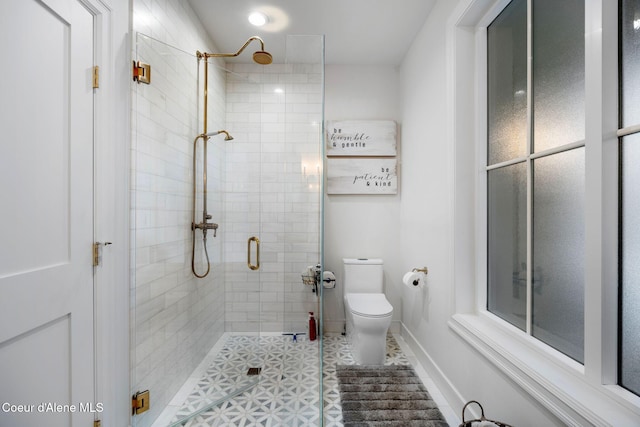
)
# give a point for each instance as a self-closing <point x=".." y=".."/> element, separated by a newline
<point x="357" y="32"/>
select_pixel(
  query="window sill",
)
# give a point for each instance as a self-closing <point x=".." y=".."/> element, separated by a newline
<point x="554" y="380"/>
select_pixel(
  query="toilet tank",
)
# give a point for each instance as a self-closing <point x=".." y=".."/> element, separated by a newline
<point x="362" y="275"/>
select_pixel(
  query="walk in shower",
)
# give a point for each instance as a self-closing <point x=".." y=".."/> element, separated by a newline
<point x="236" y="338"/>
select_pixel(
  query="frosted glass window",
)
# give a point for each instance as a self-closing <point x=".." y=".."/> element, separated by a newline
<point x="630" y="62"/>
<point x="507" y="84"/>
<point x="535" y="203"/>
<point x="558" y="73"/>
<point x="630" y="277"/>
<point x="507" y="245"/>
<point x="558" y="251"/>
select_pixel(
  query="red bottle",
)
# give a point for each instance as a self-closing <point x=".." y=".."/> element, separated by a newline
<point x="312" y="327"/>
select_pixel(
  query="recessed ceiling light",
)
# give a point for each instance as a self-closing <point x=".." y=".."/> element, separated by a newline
<point x="258" y="19"/>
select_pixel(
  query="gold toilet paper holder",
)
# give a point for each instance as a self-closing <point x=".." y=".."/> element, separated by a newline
<point x="424" y="270"/>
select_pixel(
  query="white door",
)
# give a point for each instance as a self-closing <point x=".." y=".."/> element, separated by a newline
<point x="46" y="214"/>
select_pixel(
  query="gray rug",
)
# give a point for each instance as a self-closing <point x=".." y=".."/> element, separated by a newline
<point x="385" y="396"/>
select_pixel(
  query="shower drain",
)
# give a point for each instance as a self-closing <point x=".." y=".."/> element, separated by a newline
<point x="254" y="371"/>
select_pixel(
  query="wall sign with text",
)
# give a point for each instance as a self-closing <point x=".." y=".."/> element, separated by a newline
<point x="361" y="138"/>
<point x="362" y="176"/>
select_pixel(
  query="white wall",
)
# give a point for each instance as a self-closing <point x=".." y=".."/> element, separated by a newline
<point x="362" y="226"/>
<point x="426" y="236"/>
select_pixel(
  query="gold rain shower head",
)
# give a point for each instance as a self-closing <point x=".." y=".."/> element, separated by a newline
<point x="261" y="56"/>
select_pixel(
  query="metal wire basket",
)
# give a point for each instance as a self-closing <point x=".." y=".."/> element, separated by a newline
<point x="309" y="279"/>
<point x="479" y="422"/>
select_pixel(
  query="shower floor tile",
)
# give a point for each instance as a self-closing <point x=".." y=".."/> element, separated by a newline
<point x="286" y="390"/>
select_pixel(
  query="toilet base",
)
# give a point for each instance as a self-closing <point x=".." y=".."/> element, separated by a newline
<point x="367" y="352"/>
<point x="367" y="338"/>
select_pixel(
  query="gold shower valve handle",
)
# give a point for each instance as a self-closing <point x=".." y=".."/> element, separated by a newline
<point x="206" y="226"/>
<point x="212" y="226"/>
<point x="257" y="265"/>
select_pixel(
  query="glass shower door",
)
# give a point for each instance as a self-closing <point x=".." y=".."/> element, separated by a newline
<point x="300" y="88"/>
<point x="274" y="189"/>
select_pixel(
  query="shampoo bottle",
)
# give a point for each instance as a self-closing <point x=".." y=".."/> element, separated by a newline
<point x="312" y="327"/>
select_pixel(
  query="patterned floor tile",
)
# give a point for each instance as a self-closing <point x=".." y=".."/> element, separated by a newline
<point x="287" y="393"/>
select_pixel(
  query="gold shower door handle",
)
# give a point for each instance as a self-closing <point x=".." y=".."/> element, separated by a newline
<point x="257" y="265"/>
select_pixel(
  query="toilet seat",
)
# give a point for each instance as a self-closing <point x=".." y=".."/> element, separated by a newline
<point x="369" y="305"/>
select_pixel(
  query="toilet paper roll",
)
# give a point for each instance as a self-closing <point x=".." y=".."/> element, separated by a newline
<point x="413" y="279"/>
<point x="328" y="280"/>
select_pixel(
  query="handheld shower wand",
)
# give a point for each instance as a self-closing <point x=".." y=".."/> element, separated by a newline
<point x="226" y="138"/>
<point x="204" y="225"/>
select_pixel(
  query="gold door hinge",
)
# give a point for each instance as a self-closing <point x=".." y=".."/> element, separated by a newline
<point x="97" y="248"/>
<point x="96" y="254"/>
<point x="141" y="72"/>
<point x="140" y="402"/>
<point x="97" y="423"/>
<point x="96" y="77"/>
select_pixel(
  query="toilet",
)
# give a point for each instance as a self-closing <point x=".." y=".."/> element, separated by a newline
<point x="367" y="311"/>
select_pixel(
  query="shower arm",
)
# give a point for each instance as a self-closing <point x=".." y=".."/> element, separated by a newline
<point x="232" y="55"/>
<point x="205" y="56"/>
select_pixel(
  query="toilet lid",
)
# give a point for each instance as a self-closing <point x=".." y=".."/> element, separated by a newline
<point x="370" y="305"/>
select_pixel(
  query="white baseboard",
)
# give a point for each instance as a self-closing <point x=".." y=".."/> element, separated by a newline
<point x="446" y="387"/>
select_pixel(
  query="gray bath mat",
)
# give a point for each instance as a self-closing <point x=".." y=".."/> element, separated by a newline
<point x="385" y="396"/>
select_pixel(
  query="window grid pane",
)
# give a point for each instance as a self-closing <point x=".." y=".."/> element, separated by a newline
<point x="507" y="83"/>
<point x="629" y="203"/>
<point x="507" y="243"/>
<point x="558" y="73"/>
<point x="558" y="252"/>
<point x="629" y="373"/>
<point x="630" y="62"/>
